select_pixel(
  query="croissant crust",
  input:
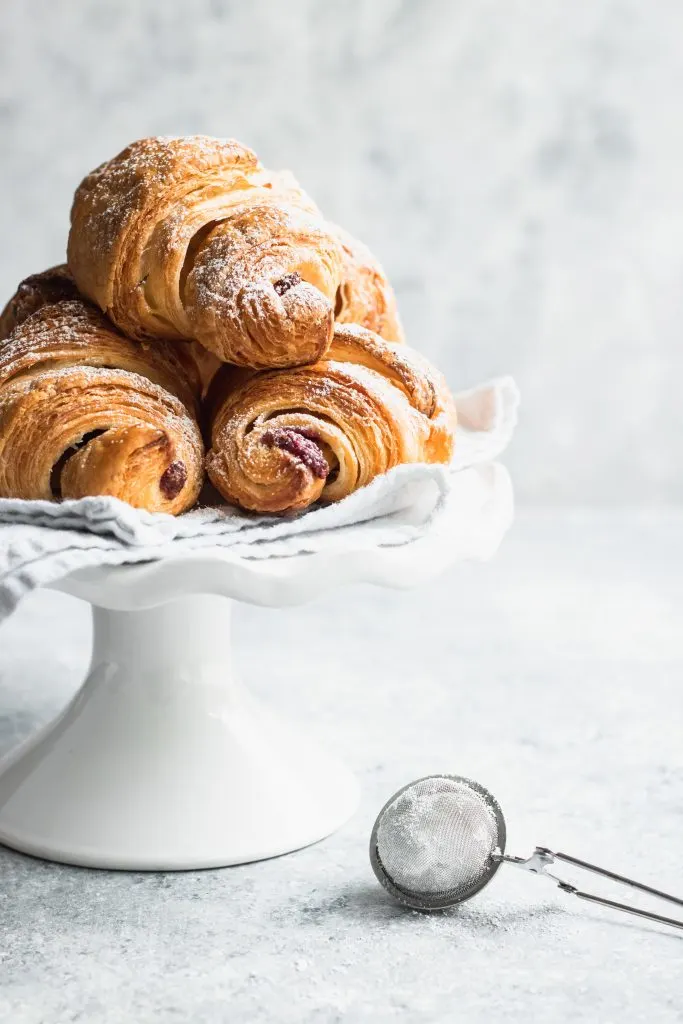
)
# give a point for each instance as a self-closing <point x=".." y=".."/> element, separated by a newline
<point x="86" y="411"/>
<point x="192" y="238"/>
<point x="283" y="439"/>
<point x="35" y="291"/>
<point x="365" y="296"/>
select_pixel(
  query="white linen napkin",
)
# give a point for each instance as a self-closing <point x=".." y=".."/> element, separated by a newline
<point x="42" y="542"/>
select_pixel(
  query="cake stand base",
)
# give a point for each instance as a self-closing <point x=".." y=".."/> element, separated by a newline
<point x="163" y="761"/>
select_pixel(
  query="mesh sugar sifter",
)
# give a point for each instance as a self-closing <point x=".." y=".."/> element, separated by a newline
<point x="439" y="840"/>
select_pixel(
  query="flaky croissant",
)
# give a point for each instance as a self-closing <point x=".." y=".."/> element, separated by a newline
<point x="57" y="284"/>
<point x="192" y="238"/>
<point x="283" y="439"/>
<point x="85" y="411"/>
<point x="365" y="296"/>
<point x="38" y="290"/>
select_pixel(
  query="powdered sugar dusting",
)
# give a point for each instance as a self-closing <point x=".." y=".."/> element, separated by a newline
<point x="185" y="237"/>
<point x="155" y="405"/>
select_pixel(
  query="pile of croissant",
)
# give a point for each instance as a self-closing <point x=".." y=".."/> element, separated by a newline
<point x="209" y="320"/>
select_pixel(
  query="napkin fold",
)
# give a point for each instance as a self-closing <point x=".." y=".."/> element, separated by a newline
<point x="41" y="542"/>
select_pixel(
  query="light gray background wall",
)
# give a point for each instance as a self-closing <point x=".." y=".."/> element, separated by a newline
<point x="517" y="165"/>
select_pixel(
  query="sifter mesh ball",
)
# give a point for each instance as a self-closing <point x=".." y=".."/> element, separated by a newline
<point x="441" y="839"/>
<point x="433" y="842"/>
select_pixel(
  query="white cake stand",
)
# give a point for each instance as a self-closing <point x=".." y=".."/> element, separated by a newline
<point x="163" y="760"/>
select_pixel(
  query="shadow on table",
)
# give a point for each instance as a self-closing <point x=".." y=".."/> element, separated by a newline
<point x="365" y="901"/>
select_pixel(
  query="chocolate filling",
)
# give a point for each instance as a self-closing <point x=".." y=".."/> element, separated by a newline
<point x="283" y="284"/>
<point x="302" y="444"/>
<point x="58" y="468"/>
<point x="173" y="480"/>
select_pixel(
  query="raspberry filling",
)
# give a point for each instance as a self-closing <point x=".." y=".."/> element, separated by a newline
<point x="302" y="444"/>
<point x="283" y="284"/>
<point x="173" y="480"/>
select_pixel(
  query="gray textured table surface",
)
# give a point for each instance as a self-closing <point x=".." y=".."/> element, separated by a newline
<point x="553" y="675"/>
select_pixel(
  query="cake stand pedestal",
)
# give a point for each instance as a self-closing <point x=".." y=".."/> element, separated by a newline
<point x="163" y="761"/>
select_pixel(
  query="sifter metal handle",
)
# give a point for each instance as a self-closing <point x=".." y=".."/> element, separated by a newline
<point x="542" y="858"/>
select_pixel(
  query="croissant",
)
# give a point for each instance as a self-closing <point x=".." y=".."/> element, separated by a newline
<point x="57" y="284"/>
<point x="86" y="411"/>
<point x="35" y="291"/>
<point x="192" y="238"/>
<point x="283" y="439"/>
<point x="365" y="296"/>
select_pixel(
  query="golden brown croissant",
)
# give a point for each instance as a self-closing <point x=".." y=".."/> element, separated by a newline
<point x="57" y="284"/>
<point x="192" y="238"/>
<point x="282" y="439"/>
<point x="35" y="291"/>
<point x="86" y="411"/>
<point x="365" y="296"/>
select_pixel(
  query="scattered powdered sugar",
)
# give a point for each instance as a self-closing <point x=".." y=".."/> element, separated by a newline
<point x="436" y="836"/>
<point x="129" y="396"/>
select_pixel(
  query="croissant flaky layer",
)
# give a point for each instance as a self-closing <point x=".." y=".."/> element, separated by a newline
<point x="283" y="439"/>
<point x="192" y="238"/>
<point x="85" y="411"/>
<point x="365" y="296"/>
<point x="186" y="363"/>
<point x="38" y="290"/>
